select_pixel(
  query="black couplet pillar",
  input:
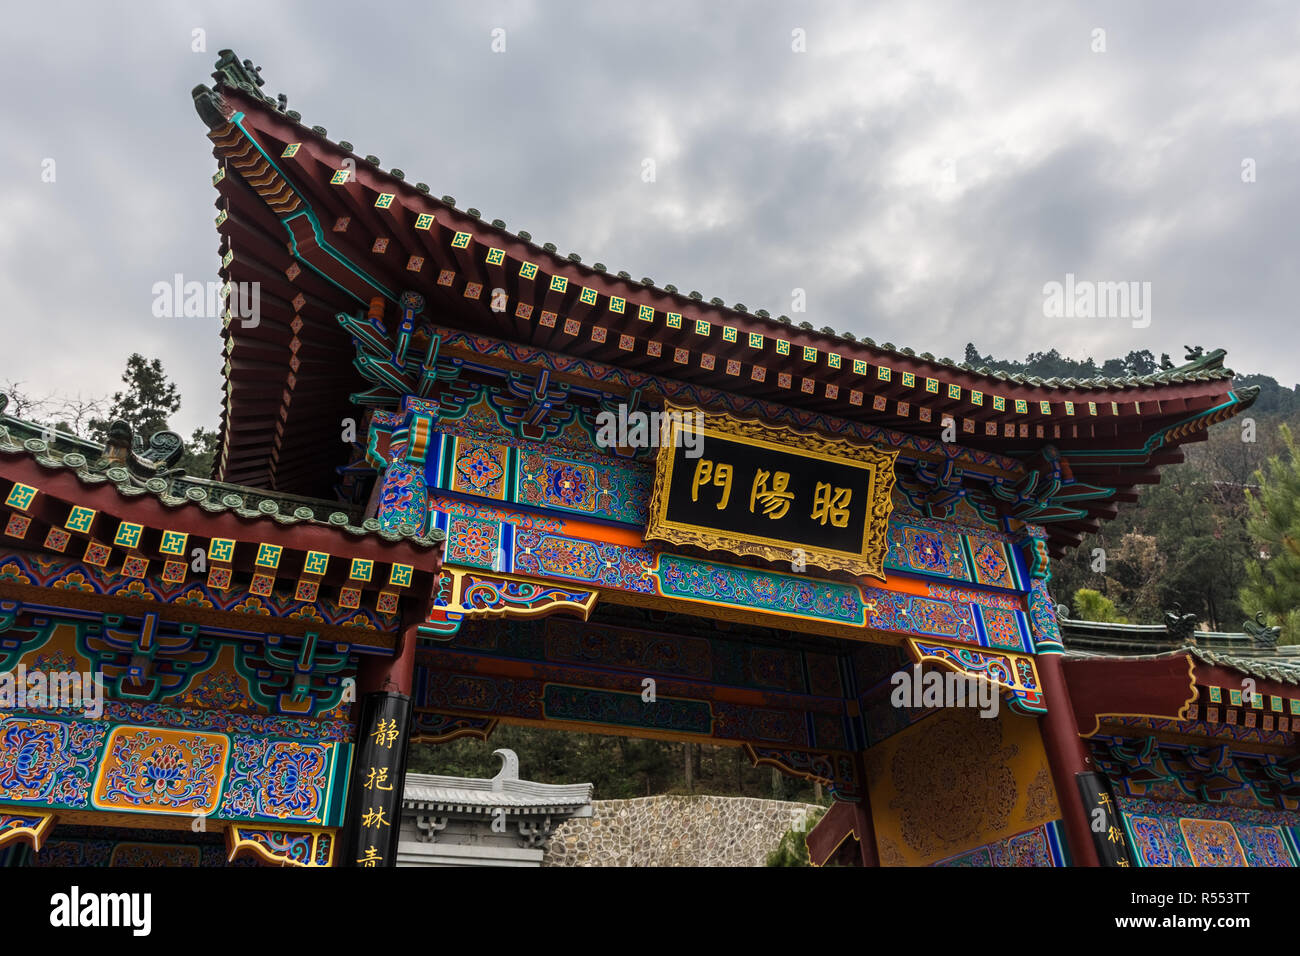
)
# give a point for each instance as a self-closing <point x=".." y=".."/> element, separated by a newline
<point x="1103" y="819"/>
<point x="374" y="811"/>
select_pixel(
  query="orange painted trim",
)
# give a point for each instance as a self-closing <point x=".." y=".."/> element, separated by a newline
<point x="587" y="530"/>
<point x="32" y="836"/>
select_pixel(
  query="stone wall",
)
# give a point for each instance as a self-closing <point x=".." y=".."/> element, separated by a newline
<point x="674" y="831"/>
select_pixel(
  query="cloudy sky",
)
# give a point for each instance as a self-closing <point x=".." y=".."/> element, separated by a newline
<point x="920" y="169"/>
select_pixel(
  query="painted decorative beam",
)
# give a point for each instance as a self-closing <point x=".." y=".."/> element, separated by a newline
<point x="474" y="594"/>
<point x="305" y="847"/>
<point x="1013" y="674"/>
<point x="25" y="826"/>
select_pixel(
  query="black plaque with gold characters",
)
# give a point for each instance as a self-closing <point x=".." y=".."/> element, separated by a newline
<point x="752" y="489"/>
<point x="375" y="794"/>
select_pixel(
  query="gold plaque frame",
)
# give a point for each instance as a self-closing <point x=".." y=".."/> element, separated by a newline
<point x="878" y="463"/>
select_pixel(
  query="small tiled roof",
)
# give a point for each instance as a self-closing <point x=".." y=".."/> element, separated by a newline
<point x="427" y="791"/>
<point x="1245" y="652"/>
<point x="1281" y="664"/>
<point x="504" y="791"/>
<point x="138" y="475"/>
<point x="1284" y="669"/>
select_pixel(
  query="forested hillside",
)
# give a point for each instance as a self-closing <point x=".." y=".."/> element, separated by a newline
<point x="1185" y="542"/>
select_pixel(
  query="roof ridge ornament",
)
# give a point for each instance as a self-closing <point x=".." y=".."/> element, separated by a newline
<point x="1198" y="359"/>
<point x="211" y="107"/>
<point x="1261" y="634"/>
<point x="1181" y="625"/>
<point x="509" y="767"/>
<point x="241" y="75"/>
<point x="118" y="443"/>
<point x="231" y="73"/>
<point x="163" y="450"/>
<point x="123" y="448"/>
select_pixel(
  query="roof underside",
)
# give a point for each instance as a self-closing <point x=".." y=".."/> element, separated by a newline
<point x="319" y="247"/>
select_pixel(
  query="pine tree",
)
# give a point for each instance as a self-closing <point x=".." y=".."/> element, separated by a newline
<point x="1273" y="583"/>
<point x="149" y="400"/>
<point x="200" y="453"/>
<point x="1090" y="605"/>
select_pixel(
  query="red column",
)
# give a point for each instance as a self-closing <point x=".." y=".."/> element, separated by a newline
<point x="396" y="673"/>
<point x="1066" y="756"/>
<point x="866" y="832"/>
<point x="862" y="825"/>
<point x="843" y="817"/>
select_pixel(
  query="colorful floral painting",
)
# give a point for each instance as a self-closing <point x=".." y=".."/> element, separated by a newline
<point x="473" y="542"/>
<point x="991" y="564"/>
<point x="1155" y="844"/>
<point x="1179" y="833"/>
<point x="278" y="779"/>
<point x="759" y="590"/>
<point x="1264" y="846"/>
<point x="479" y="468"/>
<point x="1003" y="628"/>
<point x="926" y="551"/>
<point x="1041" y="846"/>
<point x="403" y="500"/>
<point x="613" y="565"/>
<point x="48" y="761"/>
<point x="608" y="489"/>
<point x="909" y="614"/>
<point x="1212" y="843"/>
<point x="161" y="771"/>
<point x="32" y="753"/>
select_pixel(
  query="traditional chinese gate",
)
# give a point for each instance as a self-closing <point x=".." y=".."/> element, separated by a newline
<point x="818" y="515"/>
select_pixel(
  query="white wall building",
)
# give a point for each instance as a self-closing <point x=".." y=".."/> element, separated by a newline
<point x="468" y="821"/>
